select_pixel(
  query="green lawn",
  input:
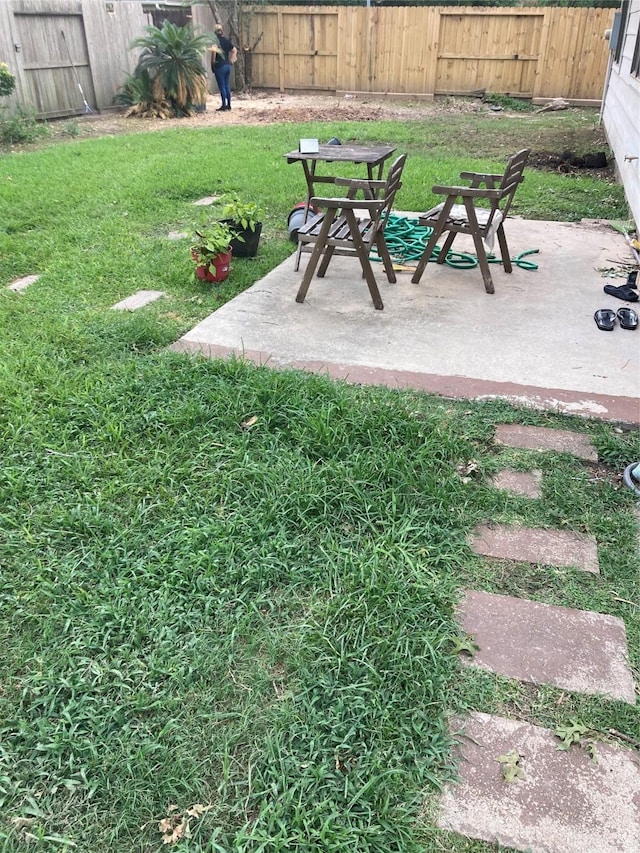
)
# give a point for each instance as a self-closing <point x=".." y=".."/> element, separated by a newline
<point x="258" y="620"/>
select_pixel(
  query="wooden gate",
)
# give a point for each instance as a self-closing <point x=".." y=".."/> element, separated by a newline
<point x="51" y="50"/>
<point x="499" y="51"/>
<point x="297" y="49"/>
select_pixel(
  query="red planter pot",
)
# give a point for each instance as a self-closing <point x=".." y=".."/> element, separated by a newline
<point x="217" y="270"/>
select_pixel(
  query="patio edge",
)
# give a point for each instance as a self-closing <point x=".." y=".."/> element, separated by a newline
<point x="622" y="410"/>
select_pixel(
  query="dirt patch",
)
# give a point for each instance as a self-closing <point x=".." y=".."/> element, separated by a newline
<point x="259" y="108"/>
<point x="268" y="107"/>
<point x="596" y="163"/>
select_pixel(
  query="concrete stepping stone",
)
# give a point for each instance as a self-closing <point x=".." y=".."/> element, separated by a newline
<point x="207" y="200"/>
<point x="536" y="545"/>
<point x="565" y="803"/>
<point x="177" y="235"/>
<point x="543" y="438"/>
<point x="138" y="300"/>
<point x="20" y="284"/>
<point x="527" y="484"/>
<point x="577" y="650"/>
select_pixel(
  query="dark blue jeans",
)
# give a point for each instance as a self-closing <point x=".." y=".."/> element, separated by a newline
<point x="222" y="74"/>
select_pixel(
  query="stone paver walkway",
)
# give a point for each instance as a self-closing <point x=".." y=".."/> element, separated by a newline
<point x="536" y="545"/>
<point x="544" y="644"/>
<point x="527" y="484"/>
<point x="20" y="284"/>
<point x="137" y="300"/>
<point x="206" y="201"/>
<point x="543" y="438"/>
<point x="565" y="804"/>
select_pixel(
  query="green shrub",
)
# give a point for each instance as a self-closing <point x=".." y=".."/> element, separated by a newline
<point x="172" y="60"/>
<point x="22" y="127"/>
<point x="7" y="80"/>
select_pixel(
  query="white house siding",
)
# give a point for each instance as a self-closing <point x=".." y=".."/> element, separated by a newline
<point x="621" y="114"/>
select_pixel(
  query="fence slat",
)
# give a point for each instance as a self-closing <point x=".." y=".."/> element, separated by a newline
<point x="537" y="52"/>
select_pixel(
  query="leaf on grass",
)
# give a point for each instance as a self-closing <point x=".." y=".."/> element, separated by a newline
<point x="198" y="810"/>
<point x="466" y="470"/>
<point x="573" y="733"/>
<point x="22" y="822"/>
<point x="511" y="769"/>
<point x="466" y="645"/>
<point x="173" y="829"/>
<point x="178" y="826"/>
<point x="249" y="422"/>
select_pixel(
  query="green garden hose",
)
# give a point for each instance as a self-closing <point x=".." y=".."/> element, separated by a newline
<point x="406" y="240"/>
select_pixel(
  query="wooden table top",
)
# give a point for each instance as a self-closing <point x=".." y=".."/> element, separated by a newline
<point x="372" y="155"/>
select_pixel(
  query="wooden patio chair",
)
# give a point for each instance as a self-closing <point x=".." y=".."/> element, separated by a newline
<point x="342" y="229"/>
<point x="482" y="223"/>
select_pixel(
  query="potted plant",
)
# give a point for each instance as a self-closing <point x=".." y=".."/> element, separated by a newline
<point x="243" y="218"/>
<point x="211" y="250"/>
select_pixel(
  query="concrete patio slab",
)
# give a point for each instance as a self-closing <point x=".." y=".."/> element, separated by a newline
<point x="565" y="804"/>
<point x="20" y="284"/>
<point x="533" y="342"/>
<point x="536" y="545"/>
<point x="527" y="484"/>
<point x="138" y="300"/>
<point x="576" y="650"/>
<point x="543" y="438"/>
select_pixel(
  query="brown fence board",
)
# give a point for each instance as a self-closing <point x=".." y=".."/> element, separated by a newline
<point x="538" y="52"/>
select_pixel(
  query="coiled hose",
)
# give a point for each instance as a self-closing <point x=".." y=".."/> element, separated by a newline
<point x="406" y="240"/>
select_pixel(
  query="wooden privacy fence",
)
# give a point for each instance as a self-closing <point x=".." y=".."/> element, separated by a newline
<point x="58" y="49"/>
<point x="535" y="52"/>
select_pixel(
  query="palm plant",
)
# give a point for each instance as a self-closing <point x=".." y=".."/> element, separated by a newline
<point x="172" y="58"/>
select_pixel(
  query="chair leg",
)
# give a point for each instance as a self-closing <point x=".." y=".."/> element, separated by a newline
<point x="435" y="236"/>
<point x="504" y="250"/>
<point x="325" y="261"/>
<point x="315" y="255"/>
<point x="446" y="246"/>
<point x="363" y="255"/>
<point x="483" y="263"/>
<point x="428" y="249"/>
<point x="383" y="251"/>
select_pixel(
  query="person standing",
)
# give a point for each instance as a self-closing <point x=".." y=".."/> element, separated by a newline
<point x="221" y="66"/>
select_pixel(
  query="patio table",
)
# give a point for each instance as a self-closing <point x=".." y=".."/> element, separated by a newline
<point x="372" y="156"/>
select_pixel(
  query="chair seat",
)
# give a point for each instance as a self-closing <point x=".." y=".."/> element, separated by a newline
<point x="488" y="221"/>
<point x="339" y="232"/>
<point x="458" y="215"/>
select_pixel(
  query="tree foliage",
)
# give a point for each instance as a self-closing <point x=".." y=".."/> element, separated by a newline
<point x="171" y="60"/>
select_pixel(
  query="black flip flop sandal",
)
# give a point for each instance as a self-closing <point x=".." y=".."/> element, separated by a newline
<point x="627" y="318"/>
<point x="625" y="292"/>
<point x="606" y="319"/>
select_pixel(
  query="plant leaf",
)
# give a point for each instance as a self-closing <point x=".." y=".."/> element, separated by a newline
<point x="570" y="734"/>
<point x="511" y="769"/>
<point x="466" y="645"/>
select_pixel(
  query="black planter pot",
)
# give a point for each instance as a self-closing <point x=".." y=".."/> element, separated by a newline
<point x="248" y="246"/>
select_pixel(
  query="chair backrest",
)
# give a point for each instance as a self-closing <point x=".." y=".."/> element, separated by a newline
<point x="511" y="179"/>
<point x="393" y="183"/>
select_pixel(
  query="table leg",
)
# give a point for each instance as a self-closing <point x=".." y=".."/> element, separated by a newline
<point x="309" y="176"/>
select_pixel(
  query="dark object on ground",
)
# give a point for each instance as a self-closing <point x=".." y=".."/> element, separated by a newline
<point x="632" y="280"/>
<point x="628" y="318"/>
<point x="625" y="292"/>
<point x="588" y="161"/>
<point x="605" y="319"/>
<point x="629" y="477"/>
<point x="569" y="161"/>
